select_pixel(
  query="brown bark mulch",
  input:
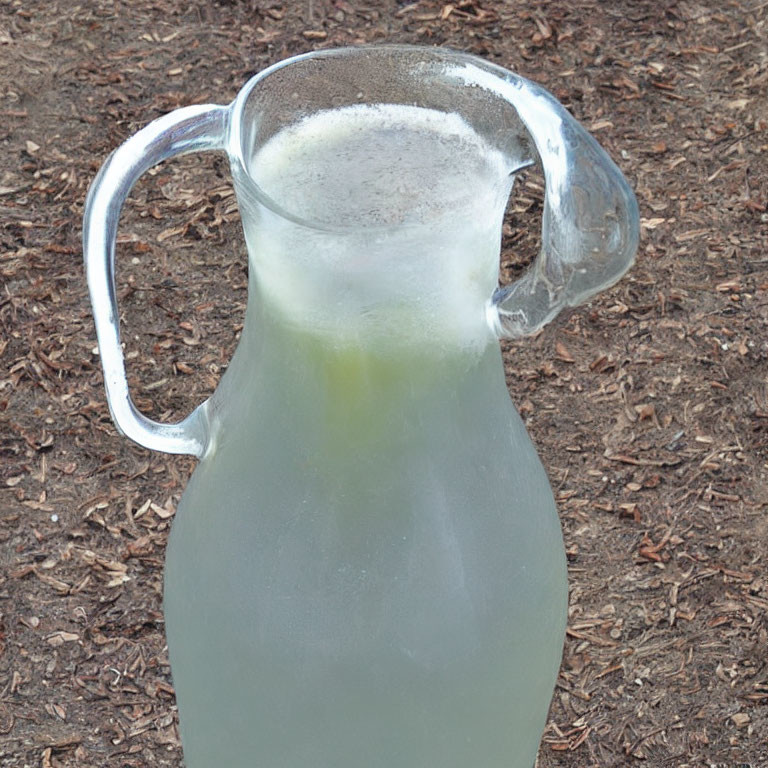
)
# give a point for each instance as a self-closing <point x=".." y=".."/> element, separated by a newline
<point x="649" y="406"/>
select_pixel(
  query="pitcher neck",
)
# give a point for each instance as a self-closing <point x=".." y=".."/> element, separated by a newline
<point x="350" y="389"/>
<point x="385" y="332"/>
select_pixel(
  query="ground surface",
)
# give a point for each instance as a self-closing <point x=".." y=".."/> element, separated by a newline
<point x="649" y="407"/>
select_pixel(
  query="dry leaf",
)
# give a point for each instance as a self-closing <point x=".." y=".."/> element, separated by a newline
<point x="162" y="512"/>
<point x="60" y="637"/>
<point x="563" y="354"/>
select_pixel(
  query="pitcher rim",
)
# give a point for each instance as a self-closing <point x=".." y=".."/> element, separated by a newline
<point x="248" y="184"/>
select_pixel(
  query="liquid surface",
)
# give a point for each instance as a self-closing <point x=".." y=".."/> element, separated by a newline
<point x="372" y="165"/>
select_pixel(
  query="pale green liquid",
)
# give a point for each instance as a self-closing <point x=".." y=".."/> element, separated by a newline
<point x="367" y="569"/>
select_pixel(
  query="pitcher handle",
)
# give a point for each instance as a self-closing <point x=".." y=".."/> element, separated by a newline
<point x="590" y="223"/>
<point x="190" y="129"/>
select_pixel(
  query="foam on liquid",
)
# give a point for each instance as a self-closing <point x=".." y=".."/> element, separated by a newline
<point x="370" y="165"/>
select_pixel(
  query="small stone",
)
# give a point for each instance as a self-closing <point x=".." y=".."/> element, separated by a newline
<point x="741" y="719"/>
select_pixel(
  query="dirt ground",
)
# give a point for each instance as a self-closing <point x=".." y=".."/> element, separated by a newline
<point x="649" y="406"/>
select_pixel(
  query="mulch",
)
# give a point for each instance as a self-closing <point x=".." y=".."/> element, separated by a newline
<point x="649" y="406"/>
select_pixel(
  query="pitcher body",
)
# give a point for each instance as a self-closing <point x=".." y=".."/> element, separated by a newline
<point x="367" y="567"/>
<point x="339" y="596"/>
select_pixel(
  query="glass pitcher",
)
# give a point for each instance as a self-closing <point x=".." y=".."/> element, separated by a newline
<point x="367" y="568"/>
